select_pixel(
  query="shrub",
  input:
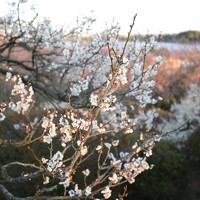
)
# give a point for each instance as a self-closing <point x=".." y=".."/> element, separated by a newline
<point x="167" y="179"/>
<point x="192" y="146"/>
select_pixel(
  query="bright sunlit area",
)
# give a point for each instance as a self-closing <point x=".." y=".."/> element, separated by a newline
<point x="155" y="16"/>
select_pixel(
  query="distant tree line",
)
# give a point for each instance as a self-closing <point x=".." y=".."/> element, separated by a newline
<point x="182" y="37"/>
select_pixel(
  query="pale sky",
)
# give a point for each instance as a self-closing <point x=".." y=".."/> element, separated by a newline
<point x="154" y="16"/>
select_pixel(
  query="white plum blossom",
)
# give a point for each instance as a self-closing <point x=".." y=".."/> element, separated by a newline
<point x="8" y="76"/>
<point x="78" y="191"/>
<point x="122" y="74"/>
<point x="86" y="172"/>
<point x="135" y="146"/>
<point x="66" y="182"/>
<point x="79" y="87"/>
<point x="65" y="129"/>
<point x="94" y="99"/>
<point x="46" y="181"/>
<point x="49" y="128"/>
<point x="95" y="125"/>
<point x="80" y="124"/>
<point x="148" y="153"/>
<point x="2" y="117"/>
<point x="71" y="193"/>
<point x="75" y="192"/>
<point x="133" y="168"/>
<point x="107" y="102"/>
<point x="88" y="191"/>
<point x="115" y="143"/>
<point x="52" y="130"/>
<point x="47" y="139"/>
<point x="83" y="150"/>
<point x="114" y="178"/>
<point x="99" y="147"/>
<point x="106" y="192"/>
<point x="45" y="122"/>
<point x="108" y="145"/>
<point x="44" y="160"/>
<point x="55" y="162"/>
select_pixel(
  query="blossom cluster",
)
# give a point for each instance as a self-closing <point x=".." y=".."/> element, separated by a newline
<point x="24" y="92"/>
<point x="79" y="87"/>
<point x="76" y="127"/>
<point x="186" y="115"/>
<point x="21" y="98"/>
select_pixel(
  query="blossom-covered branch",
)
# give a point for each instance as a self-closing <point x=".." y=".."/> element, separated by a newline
<point x="77" y="151"/>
